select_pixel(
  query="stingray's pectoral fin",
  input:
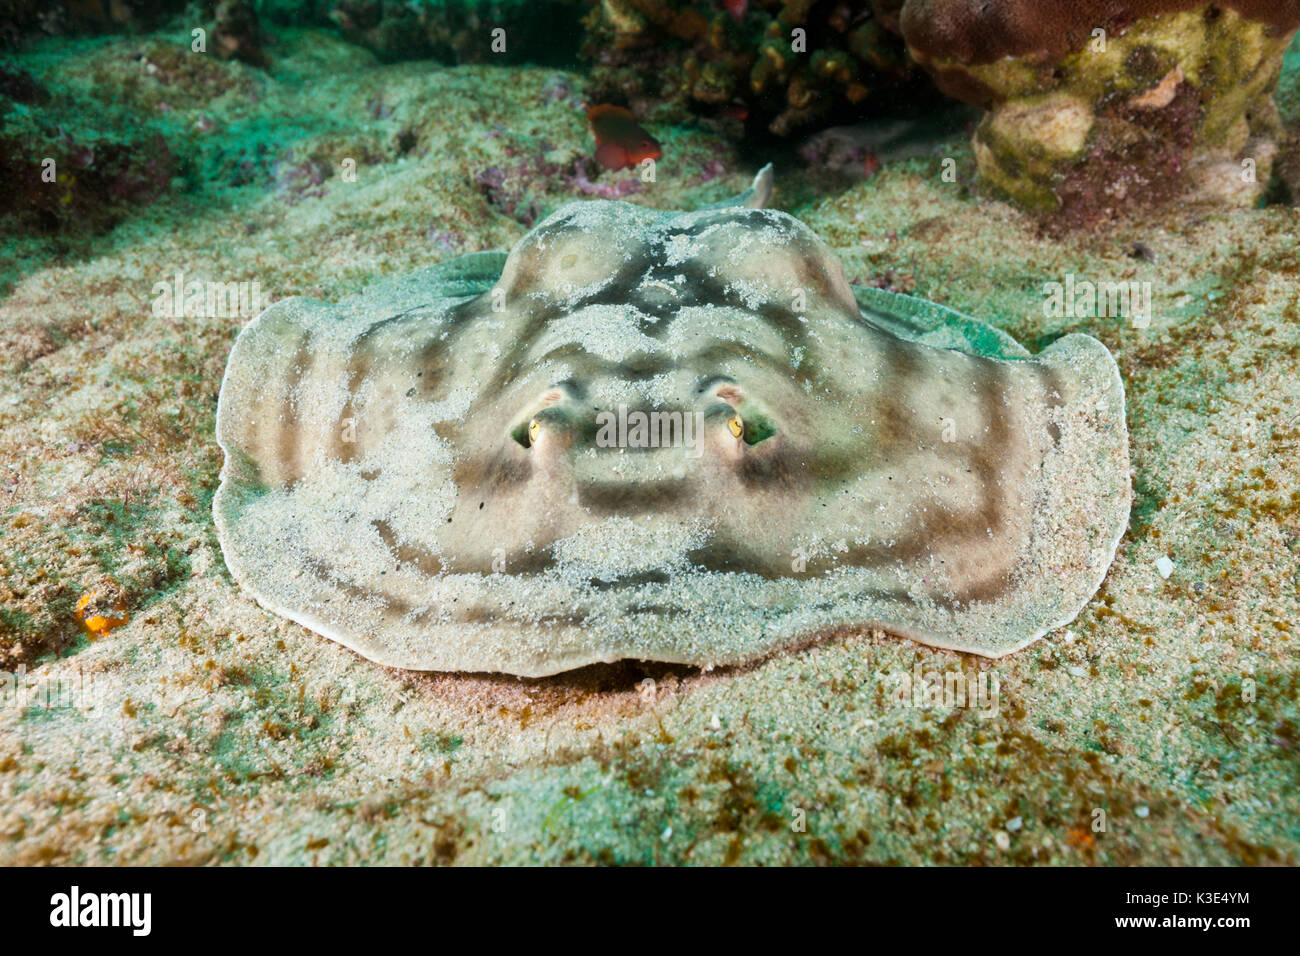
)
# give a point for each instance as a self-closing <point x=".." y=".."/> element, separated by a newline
<point x="263" y="400"/>
<point x="935" y="325"/>
<point x="452" y="279"/>
<point x="1076" y="500"/>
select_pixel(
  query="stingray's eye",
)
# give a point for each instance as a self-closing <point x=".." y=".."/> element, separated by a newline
<point x="736" y="425"/>
<point x="533" y="428"/>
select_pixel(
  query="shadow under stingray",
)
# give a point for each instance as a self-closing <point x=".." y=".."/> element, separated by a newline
<point x="620" y="686"/>
<point x="612" y="689"/>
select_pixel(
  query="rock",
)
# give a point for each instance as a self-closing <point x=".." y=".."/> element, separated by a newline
<point x="1100" y="107"/>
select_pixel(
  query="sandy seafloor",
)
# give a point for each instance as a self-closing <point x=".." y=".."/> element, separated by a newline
<point x="206" y="730"/>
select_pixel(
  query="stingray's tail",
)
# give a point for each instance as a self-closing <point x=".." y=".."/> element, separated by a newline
<point x="756" y="196"/>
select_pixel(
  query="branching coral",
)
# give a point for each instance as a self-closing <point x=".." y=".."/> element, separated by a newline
<point x="781" y="64"/>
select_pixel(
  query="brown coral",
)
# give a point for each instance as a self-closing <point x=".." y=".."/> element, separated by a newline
<point x="779" y="64"/>
<point x="236" y="33"/>
<point x="461" y="31"/>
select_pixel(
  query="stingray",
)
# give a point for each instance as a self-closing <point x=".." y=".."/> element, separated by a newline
<point x="679" y="437"/>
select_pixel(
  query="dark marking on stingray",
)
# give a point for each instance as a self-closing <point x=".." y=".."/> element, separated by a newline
<point x="627" y="581"/>
<point x="634" y="498"/>
<point x="289" y="445"/>
<point x="407" y="553"/>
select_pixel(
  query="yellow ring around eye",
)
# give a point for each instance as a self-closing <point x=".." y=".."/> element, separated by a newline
<point x="736" y="425"/>
<point x="533" y="428"/>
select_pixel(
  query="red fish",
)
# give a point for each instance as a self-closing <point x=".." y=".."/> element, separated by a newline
<point x="620" y="141"/>
<point x="736" y="8"/>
